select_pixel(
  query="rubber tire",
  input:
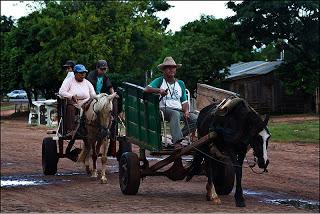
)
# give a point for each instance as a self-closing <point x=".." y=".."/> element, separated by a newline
<point x="129" y="173"/>
<point x="223" y="177"/>
<point x="124" y="146"/>
<point x="49" y="156"/>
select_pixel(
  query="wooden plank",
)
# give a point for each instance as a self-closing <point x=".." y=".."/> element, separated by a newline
<point x="183" y="151"/>
<point x="207" y="95"/>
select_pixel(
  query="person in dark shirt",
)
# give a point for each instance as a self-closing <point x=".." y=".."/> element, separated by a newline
<point x="99" y="78"/>
<point x="102" y="84"/>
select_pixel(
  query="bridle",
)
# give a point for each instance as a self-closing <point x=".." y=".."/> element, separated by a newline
<point x="255" y="160"/>
<point x="104" y="131"/>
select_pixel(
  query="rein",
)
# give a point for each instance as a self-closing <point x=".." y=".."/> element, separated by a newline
<point x="253" y="165"/>
<point x="234" y="165"/>
<point x="213" y="158"/>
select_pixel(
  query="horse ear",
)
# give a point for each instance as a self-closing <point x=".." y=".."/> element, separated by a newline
<point x="112" y="96"/>
<point x="266" y="119"/>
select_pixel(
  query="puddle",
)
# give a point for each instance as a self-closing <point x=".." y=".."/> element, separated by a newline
<point x="283" y="199"/>
<point x="16" y="183"/>
<point x="20" y="181"/>
<point x="113" y="169"/>
<point x="40" y="179"/>
<point x="30" y="180"/>
<point x="311" y="205"/>
<point x="187" y="158"/>
<point x="6" y="163"/>
<point x="70" y="173"/>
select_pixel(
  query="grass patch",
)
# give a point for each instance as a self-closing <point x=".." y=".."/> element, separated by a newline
<point x="7" y="107"/>
<point x="305" y="131"/>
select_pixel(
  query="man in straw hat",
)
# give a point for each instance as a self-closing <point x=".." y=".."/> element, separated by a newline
<point x="174" y="102"/>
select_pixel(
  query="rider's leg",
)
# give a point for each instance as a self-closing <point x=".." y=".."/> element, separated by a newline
<point x="82" y="131"/>
<point x="113" y="134"/>
<point x="70" y="118"/>
<point x="173" y="116"/>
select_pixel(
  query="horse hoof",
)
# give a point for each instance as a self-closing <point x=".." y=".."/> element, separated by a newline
<point x="209" y="198"/>
<point x="94" y="175"/>
<point x="103" y="181"/>
<point x="216" y="201"/>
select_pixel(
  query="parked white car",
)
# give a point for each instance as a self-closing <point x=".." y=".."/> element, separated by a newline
<point x="17" y="94"/>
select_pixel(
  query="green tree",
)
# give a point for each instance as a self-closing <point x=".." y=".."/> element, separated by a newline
<point x="293" y="26"/>
<point x="6" y="25"/>
<point x="125" y="33"/>
<point x="204" y="47"/>
<point x="269" y="53"/>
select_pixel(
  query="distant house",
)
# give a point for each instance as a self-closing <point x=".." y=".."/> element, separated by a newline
<point x="257" y="83"/>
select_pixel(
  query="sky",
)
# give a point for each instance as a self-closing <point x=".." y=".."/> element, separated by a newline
<point x="180" y="14"/>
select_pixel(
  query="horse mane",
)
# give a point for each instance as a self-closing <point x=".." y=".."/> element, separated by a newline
<point x="96" y="106"/>
<point x="101" y="101"/>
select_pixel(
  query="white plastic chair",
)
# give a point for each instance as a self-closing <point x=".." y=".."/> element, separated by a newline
<point x="188" y="98"/>
<point x="166" y="138"/>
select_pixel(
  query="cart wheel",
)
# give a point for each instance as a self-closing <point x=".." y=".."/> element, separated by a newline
<point x="49" y="156"/>
<point x="129" y="173"/>
<point x="224" y="177"/>
<point x="124" y="146"/>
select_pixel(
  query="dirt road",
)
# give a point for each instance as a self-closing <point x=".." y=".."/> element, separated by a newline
<point x="291" y="185"/>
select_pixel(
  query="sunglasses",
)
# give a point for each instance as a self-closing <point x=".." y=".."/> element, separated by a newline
<point x="103" y="69"/>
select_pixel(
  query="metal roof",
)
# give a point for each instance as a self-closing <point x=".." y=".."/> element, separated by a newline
<point x="254" y="68"/>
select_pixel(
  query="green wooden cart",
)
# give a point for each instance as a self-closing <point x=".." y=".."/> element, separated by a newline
<point x="143" y="128"/>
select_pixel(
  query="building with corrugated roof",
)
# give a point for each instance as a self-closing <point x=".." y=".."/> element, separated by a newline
<point x="257" y="83"/>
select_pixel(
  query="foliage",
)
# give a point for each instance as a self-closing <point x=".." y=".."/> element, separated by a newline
<point x="292" y="26"/>
<point x="204" y="47"/>
<point x="125" y="33"/>
<point x="306" y="131"/>
<point x="268" y="53"/>
<point x="6" y="24"/>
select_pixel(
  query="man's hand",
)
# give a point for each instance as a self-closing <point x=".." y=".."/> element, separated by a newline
<point x="74" y="98"/>
<point x="186" y="114"/>
<point x="163" y="92"/>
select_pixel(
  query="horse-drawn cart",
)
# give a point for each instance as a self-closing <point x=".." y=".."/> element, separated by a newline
<point x="143" y="128"/>
<point x="226" y="130"/>
<point x="53" y="146"/>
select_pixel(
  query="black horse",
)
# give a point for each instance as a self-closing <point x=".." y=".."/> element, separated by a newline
<point x="239" y="127"/>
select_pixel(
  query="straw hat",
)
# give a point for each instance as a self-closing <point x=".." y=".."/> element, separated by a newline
<point x="168" y="61"/>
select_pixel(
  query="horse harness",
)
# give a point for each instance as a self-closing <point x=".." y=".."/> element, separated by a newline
<point x="218" y="112"/>
<point x="103" y="131"/>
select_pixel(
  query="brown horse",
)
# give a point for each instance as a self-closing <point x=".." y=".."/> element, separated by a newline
<point x="98" y="120"/>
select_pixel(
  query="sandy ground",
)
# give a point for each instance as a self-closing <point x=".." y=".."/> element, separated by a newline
<point x="293" y="174"/>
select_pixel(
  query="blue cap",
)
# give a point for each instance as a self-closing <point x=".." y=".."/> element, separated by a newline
<point x="79" y="68"/>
